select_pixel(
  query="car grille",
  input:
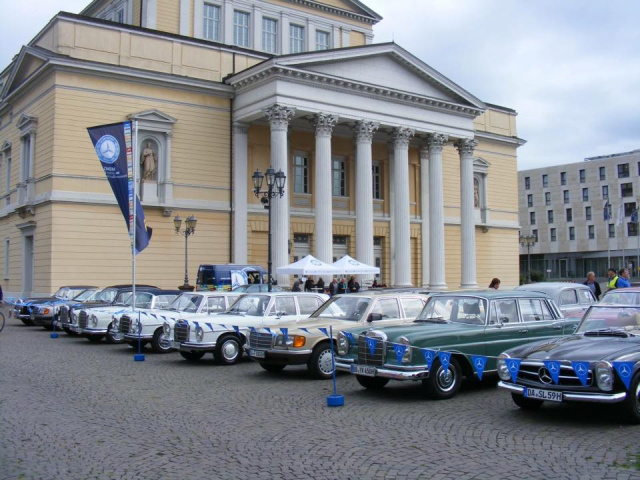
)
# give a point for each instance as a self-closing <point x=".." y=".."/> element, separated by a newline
<point x="125" y="323"/>
<point x="83" y="319"/>
<point x="536" y="373"/>
<point x="64" y="314"/>
<point x="26" y="310"/>
<point x="261" y="340"/>
<point x="364" y="354"/>
<point x="181" y="331"/>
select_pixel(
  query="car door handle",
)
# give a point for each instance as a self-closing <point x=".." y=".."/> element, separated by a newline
<point x="557" y="327"/>
<point x="524" y="330"/>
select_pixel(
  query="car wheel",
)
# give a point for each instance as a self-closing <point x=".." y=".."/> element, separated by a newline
<point x="48" y="327"/>
<point x="632" y="402"/>
<point x="228" y="350"/>
<point x="372" y="383"/>
<point x="160" y="342"/>
<point x="443" y="384"/>
<point x="27" y="322"/>
<point x="272" y="367"/>
<point x="321" y="364"/>
<point x="526" y="403"/>
<point x="95" y="338"/>
<point x="192" y="356"/>
<point x="114" y="337"/>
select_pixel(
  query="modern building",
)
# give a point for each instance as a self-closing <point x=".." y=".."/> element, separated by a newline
<point x="386" y="159"/>
<point x="582" y="215"/>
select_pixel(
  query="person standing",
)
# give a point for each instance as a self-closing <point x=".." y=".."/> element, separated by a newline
<point x="495" y="284"/>
<point x="612" y="282"/>
<point x="593" y="285"/>
<point x="351" y="286"/>
<point x="623" y="279"/>
<point x="320" y="285"/>
<point x="297" y="286"/>
<point x="309" y="285"/>
<point x="342" y="285"/>
<point x="333" y="287"/>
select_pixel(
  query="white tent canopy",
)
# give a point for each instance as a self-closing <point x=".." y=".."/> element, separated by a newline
<point x="348" y="265"/>
<point x="308" y="265"/>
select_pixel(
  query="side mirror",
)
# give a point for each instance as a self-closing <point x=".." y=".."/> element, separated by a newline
<point x="374" y="317"/>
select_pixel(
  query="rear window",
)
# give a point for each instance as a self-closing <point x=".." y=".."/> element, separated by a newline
<point x="568" y="297"/>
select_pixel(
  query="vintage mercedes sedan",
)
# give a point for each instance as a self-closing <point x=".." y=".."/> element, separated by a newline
<point x="47" y="314"/>
<point x="622" y="296"/>
<point x="225" y="334"/>
<point x="148" y="327"/>
<point x="25" y="311"/>
<point x="573" y="299"/>
<point x="461" y="324"/>
<point x="599" y="363"/>
<point x="304" y="342"/>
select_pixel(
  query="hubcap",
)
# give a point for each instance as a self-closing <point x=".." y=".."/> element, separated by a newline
<point x="164" y="341"/>
<point x="324" y="362"/>
<point x="230" y="350"/>
<point x="446" y="379"/>
<point x="638" y="397"/>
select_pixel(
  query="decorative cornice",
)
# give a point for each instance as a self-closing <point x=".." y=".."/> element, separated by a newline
<point x="279" y="116"/>
<point x="364" y="130"/>
<point x="323" y="124"/>
<point x="466" y="146"/>
<point x="436" y="141"/>
<point x="360" y="88"/>
<point x="402" y="136"/>
<point x="338" y="11"/>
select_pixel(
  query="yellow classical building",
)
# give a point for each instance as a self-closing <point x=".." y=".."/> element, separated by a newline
<point x="386" y="159"/>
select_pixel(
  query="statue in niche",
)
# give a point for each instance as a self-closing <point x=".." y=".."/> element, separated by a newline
<point x="149" y="163"/>
<point x="476" y="193"/>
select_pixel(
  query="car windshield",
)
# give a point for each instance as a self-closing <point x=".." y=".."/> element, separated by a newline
<point x="187" y="302"/>
<point x="621" y="297"/>
<point x="469" y="310"/>
<point x="256" y="288"/>
<point x="602" y="318"/>
<point x="143" y="299"/>
<point x="254" y="305"/>
<point x="62" y="293"/>
<point x="344" y="307"/>
<point x="87" y="294"/>
<point x="107" y="295"/>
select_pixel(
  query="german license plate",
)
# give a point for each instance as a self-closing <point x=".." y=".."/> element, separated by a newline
<point x="547" y="395"/>
<point x="175" y="345"/>
<point x="257" y="353"/>
<point x="363" y="370"/>
<point x="33" y="316"/>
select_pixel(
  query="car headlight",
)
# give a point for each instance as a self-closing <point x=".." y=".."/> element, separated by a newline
<point x="406" y="358"/>
<point x="134" y="326"/>
<point x="296" y="341"/>
<point x="503" y="370"/>
<point x="604" y="376"/>
<point x="115" y="324"/>
<point x="199" y="333"/>
<point x="343" y="344"/>
<point x="73" y="316"/>
<point x="166" y="328"/>
<point x="44" y="311"/>
<point x="94" y="320"/>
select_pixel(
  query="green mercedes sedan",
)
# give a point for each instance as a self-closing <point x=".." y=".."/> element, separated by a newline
<point x="457" y="335"/>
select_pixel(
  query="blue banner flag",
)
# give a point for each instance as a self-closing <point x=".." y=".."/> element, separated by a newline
<point x="625" y="372"/>
<point x="634" y="216"/>
<point x="429" y="356"/>
<point x="305" y="330"/>
<point x="113" y="146"/>
<point x="285" y="334"/>
<point x="268" y="330"/>
<point x="237" y="329"/>
<point x="349" y="336"/>
<point x="324" y="330"/>
<point x="223" y="326"/>
<point x="209" y="325"/>
<point x="513" y="365"/>
<point x="582" y="371"/>
<point x="252" y="329"/>
<point x="479" y="364"/>
<point x="371" y="344"/>
<point x="400" y="350"/>
<point x="196" y="324"/>
<point x="445" y="359"/>
<point x="554" y="370"/>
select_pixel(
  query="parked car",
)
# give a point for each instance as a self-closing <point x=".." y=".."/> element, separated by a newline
<point x="47" y="314"/>
<point x="606" y="335"/>
<point x="622" y="296"/>
<point x="256" y="288"/>
<point x="149" y="326"/>
<point x="312" y="347"/>
<point x="25" y="311"/>
<point x="195" y="336"/>
<point x="461" y="323"/>
<point x="573" y="298"/>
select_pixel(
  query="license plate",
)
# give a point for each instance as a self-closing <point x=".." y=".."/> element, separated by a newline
<point x="257" y="353"/>
<point x="33" y="316"/>
<point x="363" y="370"/>
<point x="175" y="345"/>
<point x="547" y="395"/>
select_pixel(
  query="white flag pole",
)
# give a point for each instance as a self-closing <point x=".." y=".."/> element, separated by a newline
<point x="135" y="195"/>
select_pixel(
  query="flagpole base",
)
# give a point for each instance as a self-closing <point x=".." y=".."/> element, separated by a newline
<point x="54" y="335"/>
<point x="138" y="357"/>
<point x="335" y="400"/>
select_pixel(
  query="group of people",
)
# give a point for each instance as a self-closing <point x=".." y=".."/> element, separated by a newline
<point x="335" y="287"/>
<point x="615" y="279"/>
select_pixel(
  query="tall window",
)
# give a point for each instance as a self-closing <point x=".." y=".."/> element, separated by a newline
<point x="585" y="194"/>
<point x="629" y="208"/>
<point x="6" y="258"/>
<point x="322" y="40"/>
<point x="583" y="175"/>
<point x="632" y="229"/>
<point x="532" y="218"/>
<point x="211" y="25"/>
<point x="270" y="35"/>
<point x="241" y="29"/>
<point x="296" y="39"/>
<point x="527" y="183"/>
<point x="591" y="231"/>
<point x="565" y="195"/>
<point x="605" y="192"/>
<point x="301" y="174"/>
<point x="612" y="230"/>
<point x="626" y="190"/>
<point x="535" y="234"/>
<point x="339" y="178"/>
<point x="550" y="216"/>
<point x="529" y="200"/>
<point x="552" y="234"/>
<point x="587" y="213"/>
<point x="572" y="233"/>
<point x="377" y="182"/>
<point x="603" y="173"/>
<point x="547" y="198"/>
<point x="545" y="180"/>
<point x="569" y="215"/>
<point x="623" y="170"/>
<point x="7" y="179"/>
<point x="563" y="178"/>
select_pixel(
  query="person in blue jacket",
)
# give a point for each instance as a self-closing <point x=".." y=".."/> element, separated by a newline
<point x="623" y="278"/>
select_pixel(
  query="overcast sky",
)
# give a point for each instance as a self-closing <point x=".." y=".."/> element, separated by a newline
<point x="570" y="68"/>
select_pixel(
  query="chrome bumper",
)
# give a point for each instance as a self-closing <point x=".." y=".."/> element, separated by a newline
<point x="573" y="397"/>
<point x="91" y="331"/>
<point x="293" y="357"/>
<point x="71" y="326"/>
<point x="135" y="337"/>
<point x="387" y="371"/>
<point x="190" y="347"/>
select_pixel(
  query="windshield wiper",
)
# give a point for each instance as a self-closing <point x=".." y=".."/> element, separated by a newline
<point x="430" y="320"/>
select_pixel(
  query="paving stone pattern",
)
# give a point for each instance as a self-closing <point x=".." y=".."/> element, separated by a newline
<point x="70" y="409"/>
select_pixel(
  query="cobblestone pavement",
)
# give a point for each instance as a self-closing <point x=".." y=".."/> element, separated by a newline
<point x="70" y="409"/>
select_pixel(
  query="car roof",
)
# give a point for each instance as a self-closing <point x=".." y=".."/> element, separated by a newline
<point x="550" y="286"/>
<point x="77" y="287"/>
<point x="378" y="291"/>
<point x="626" y="289"/>
<point x="493" y="294"/>
<point x="374" y="293"/>
<point x="169" y="292"/>
<point x="129" y="285"/>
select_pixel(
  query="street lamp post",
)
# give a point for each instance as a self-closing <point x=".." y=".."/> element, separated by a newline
<point x="275" y="187"/>
<point x="528" y="241"/>
<point x="189" y="229"/>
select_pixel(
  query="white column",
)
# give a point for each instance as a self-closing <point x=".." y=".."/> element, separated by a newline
<point x="185" y="17"/>
<point x="402" y="233"/>
<point x="279" y="117"/>
<point x="424" y="210"/>
<point x="227" y="31"/>
<point x="167" y="184"/>
<point x="392" y="226"/>
<point x="240" y="179"/>
<point x="437" y="281"/>
<point x="467" y="221"/>
<point x="257" y="29"/>
<point x="323" y="125"/>
<point x="346" y="37"/>
<point x="363" y="134"/>
<point x="149" y="14"/>
<point x="283" y="48"/>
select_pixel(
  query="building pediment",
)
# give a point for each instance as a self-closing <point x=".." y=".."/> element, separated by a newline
<point x="29" y="61"/>
<point x="153" y="116"/>
<point x="26" y="122"/>
<point x="6" y="145"/>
